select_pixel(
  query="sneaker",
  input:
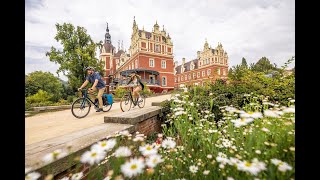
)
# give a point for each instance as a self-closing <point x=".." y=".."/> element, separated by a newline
<point x="100" y="110"/>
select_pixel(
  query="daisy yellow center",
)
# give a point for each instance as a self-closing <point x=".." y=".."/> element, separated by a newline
<point x="250" y="112"/>
<point x="93" y="154"/>
<point x="133" y="166"/>
<point x="149" y="148"/>
<point x="103" y="144"/>
<point x="154" y="161"/>
<point x="247" y="164"/>
<point x="280" y="163"/>
<point x="242" y="120"/>
<point x="55" y="154"/>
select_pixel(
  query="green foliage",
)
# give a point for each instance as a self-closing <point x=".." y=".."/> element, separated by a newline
<point x="77" y="53"/>
<point x="40" y="97"/>
<point x="263" y="65"/>
<point x="244" y="63"/>
<point x="45" y="81"/>
<point x="119" y="92"/>
<point x="146" y="91"/>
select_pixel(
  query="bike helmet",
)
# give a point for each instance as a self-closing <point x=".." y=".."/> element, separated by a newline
<point x="89" y="67"/>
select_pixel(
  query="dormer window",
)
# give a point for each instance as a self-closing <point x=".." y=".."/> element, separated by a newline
<point x="192" y="66"/>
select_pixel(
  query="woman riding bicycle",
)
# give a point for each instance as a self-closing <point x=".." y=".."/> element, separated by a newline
<point x="137" y="85"/>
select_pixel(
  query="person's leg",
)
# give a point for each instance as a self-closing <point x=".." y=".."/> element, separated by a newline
<point x="99" y="96"/>
<point x="136" y="93"/>
<point x="91" y="94"/>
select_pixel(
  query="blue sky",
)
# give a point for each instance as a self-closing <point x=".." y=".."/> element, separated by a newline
<point x="246" y="28"/>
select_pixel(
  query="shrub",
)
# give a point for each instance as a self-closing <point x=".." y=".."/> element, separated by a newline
<point x="119" y="92"/>
<point x="40" y="97"/>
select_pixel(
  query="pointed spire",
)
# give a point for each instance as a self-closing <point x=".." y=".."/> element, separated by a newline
<point x="134" y="21"/>
<point x="156" y="22"/>
<point x="122" y="44"/>
<point x="107" y="37"/>
<point x="118" y="45"/>
<point x="142" y="28"/>
<point x="162" y="27"/>
<point x="206" y="45"/>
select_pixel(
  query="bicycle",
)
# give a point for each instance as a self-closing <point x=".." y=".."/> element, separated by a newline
<point x="83" y="105"/>
<point x="127" y="101"/>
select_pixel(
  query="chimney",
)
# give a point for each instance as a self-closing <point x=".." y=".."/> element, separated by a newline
<point x="183" y="60"/>
<point x="175" y="63"/>
<point x="198" y="54"/>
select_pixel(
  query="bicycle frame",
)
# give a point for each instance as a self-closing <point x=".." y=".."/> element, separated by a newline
<point x="85" y="96"/>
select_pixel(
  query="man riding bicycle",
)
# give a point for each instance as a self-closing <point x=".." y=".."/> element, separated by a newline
<point x="137" y="85"/>
<point x="97" y="85"/>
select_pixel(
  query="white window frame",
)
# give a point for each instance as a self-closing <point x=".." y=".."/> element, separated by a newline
<point x="203" y="73"/>
<point x="198" y="74"/>
<point x="151" y="64"/>
<point x="186" y="77"/>
<point x="182" y="78"/>
<point x="208" y="72"/>
<point x="194" y="75"/>
<point x="218" y="71"/>
<point x="189" y="76"/>
<point x="155" y="48"/>
<point x="163" y="62"/>
<point x="165" y="80"/>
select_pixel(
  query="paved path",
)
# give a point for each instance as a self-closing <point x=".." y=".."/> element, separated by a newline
<point x="47" y="125"/>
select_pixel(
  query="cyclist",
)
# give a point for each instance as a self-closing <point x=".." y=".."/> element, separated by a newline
<point x="135" y="81"/>
<point x="97" y="85"/>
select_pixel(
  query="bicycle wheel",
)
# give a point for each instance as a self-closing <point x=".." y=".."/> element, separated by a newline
<point x="125" y="103"/>
<point x="106" y="106"/>
<point x="80" y="108"/>
<point x="141" y="101"/>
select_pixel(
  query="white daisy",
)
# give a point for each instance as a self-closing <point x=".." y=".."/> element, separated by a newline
<point x="77" y="176"/>
<point x="251" y="115"/>
<point x="168" y="143"/>
<point x="139" y="138"/>
<point x="275" y="161"/>
<point x="289" y="110"/>
<point x="283" y="167"/>
<point x="230" y="178"/>
<point x="209" y="156"/>
<point x="206" y="172"/>
<point x="153" y="160"/>
<point x="107" y="178"/>
<point x="57" y="154"/>
<point x="65" y="178"/>
<point x="32" y="176"/>
<point x="123" y="151"/>
<point x="92" y="156"/>
<point x="258" y="151"/>
<point x="253" y="168"/>
<point x="269" y="113"/>
<point x="105" y="145"/>
<point x="242" y="121"/>
<point x="133" y="167"/>
<point x="265" y="129"/>
<point x="193" y="169"/>
<point x="147" y="150"/>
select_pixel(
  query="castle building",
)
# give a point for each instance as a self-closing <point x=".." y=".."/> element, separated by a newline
<point x="210" y="64"/>
<point x="150" y="55"/>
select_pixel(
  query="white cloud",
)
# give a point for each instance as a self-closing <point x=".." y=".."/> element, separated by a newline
<point x="246" y="28"/>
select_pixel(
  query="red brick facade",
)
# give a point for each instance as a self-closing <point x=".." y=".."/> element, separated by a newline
<point x="150" y="55"/>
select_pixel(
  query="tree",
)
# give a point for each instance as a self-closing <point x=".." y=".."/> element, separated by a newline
<point x="45" y="81"/>
<point x="78" y="52"/>
<point x="263" y="65"/>
<point x="244" y="63"/>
